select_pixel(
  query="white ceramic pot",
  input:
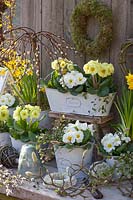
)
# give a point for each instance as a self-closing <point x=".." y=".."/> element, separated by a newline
<point x="17" y="144"/>
<point x="69" y="158"/>
<point x="5" y="139"/>
<point x="89" y="104"/>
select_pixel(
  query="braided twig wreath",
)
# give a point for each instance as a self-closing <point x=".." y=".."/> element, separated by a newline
<point x="80" y="16"/>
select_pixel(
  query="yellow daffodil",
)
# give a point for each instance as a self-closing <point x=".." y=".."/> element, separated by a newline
<point x="29" y="72"/>
<point x="8" y="3"/>
<point x="130" y="81"/>
<point x="2" y="72"/>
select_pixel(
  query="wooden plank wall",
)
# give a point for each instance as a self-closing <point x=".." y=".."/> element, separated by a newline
<point x="54" y="16"/>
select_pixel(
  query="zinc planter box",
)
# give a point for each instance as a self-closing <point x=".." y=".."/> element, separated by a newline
<point x="88" y="104"/>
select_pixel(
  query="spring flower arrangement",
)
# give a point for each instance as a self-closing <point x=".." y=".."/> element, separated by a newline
<point x="24" y="125"/>
<point x="96" y="78"/>
<point x="7" y="100"/>
<point x="66" y="77"/>
<point x="69" y="134"/>
<point x="77" y="134"/>
<point x="4" y="116"/>
<point x="115" y="144"/>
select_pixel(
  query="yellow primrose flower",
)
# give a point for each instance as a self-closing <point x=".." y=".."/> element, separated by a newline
<point x="29" y="107"/>
<point x="103" y="71"/>
<point x="110" y="68"/>
<point x="70" y="67"/>
<point x="62" y="64"/>
<point x="16" y="114"/>
<point x="91" y="67"/>
<point x="55" y="65"/>
<point x="35" y="114"/>
<point x="24" y="114"/>
<point x="3" y="107"/>
<point x="4" y="114"/>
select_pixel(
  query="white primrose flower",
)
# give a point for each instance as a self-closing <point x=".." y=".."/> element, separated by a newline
<point x="69" y="80"/>
<point x="7" y="99"/>
<point x="69" y="138"/>
<point x="69" y="129"/>
<point x="80" y="79"/>
<point x="3" y="100"/>
<point x="106" y="138"/>
<point x="125" y="139"/>
<point x="81" y="126"/>
<point x="79" y="136"/>
<point x="91" y="128"/>
<point x="109" y="146"/>
<point x="117" y="140"/>
<point x="10" y="100"/>
<point x="74" y="73"/>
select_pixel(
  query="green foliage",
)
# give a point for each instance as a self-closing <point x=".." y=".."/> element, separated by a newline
<point x="124" y="107"/>
<point x="105" y="87"/>
<point x="25" y="129"/>
<point x="26" y="89"/>
<point x="79" y="20"/>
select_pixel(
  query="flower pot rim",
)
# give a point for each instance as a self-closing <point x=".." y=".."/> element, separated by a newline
<point x="54" y="89"/>
<point x="75" y="146"/>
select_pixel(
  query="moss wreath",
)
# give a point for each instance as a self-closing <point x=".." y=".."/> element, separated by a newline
<point x="81" y="14"/>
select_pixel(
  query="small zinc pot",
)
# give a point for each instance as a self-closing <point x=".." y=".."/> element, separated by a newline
<point x="88" y="104"/>
<point x="5" y="139"/>
<point x="71" y="159"/>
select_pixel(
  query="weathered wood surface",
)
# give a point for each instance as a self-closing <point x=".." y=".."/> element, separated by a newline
<point x="28" y="192"/>
<point x="54" y="16"/>
<point x="84" y="118"/>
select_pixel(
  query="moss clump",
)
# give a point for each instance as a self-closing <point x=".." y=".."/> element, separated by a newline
<point x="80" y="16"/>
